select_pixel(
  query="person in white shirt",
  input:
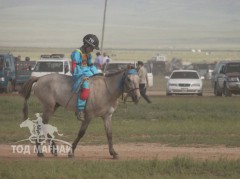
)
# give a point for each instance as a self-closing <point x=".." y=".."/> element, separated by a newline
<point x="106" y="58"/>
<point x="143" y="84"/>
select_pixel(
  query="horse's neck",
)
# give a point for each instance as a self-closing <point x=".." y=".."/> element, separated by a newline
<point x="113" y="85"/>
<point x="31" y="126"/>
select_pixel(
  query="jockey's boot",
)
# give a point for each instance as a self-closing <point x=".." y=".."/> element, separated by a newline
<point x="80" y="115"/>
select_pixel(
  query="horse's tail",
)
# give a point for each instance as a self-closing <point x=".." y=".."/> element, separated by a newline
<point x="25" y="92"/>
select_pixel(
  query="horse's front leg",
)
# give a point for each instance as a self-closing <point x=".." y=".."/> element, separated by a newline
<point x="108" y="128"/>
<point x="81" y="133"/>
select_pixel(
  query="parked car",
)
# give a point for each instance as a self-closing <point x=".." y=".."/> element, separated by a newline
<point x="204" y="69"/>
<point x="158" y="66"/>
<point x="227" y="81"/>
<point x="184" y="82"/>
<point x="55" y="63"/>
<point x="118" y="65"/>
<point x="149" y="74"/>
<point x="216" y="72"/>
<point x="14" y="71"/>
<point x="7" y="70"/>
<point x="23" y="72"/>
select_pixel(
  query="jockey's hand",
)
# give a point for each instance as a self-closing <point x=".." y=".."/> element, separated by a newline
<point x="85" y="78"/>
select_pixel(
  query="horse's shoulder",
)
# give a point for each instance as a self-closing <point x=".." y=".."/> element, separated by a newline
<point x="96" y="77"/>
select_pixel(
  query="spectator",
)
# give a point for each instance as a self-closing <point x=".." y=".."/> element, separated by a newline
<point x="106" y="58"/>
<point x="99" y="61"/>
<point x="27" y="59"/>
<point x="143" y="84"/>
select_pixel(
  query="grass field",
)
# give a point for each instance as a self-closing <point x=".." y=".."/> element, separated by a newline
<point x="174" y="121"/>
<point x="168" y="120"/>
<point x="176" y="168"/>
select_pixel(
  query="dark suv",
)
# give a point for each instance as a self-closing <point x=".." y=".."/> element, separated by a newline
<point x="227" y="79"/>
<point x="7" y="70"/>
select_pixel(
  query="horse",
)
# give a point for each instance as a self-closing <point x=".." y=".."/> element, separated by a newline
<point x="55" y="90"/>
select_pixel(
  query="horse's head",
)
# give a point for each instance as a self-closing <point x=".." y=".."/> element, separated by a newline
<point x="131" y="84"/>
<point x="25" y="123"/>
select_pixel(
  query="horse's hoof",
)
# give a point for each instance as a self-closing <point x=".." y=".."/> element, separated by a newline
<point x="40" y="155"/>
<point x="115" y="157"/>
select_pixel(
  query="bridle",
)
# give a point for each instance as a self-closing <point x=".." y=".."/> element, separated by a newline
<point x="129" y="90"/>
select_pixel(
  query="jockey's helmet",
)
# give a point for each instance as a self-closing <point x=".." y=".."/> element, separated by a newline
<point x="91" y="40"/>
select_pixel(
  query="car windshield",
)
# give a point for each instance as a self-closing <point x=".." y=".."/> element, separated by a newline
<point x="233" y="67"/>
<point x="111" y="67"/>
<point x="184" y="75"/>
<point x="49" y="67"/>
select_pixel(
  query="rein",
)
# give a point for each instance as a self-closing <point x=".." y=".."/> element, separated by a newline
<point x="129" y="90"/>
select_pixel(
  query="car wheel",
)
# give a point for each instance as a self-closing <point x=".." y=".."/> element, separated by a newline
<point x="199" y="94"/>
<point x="226" y="91"/>
<point x="217" y="91"/>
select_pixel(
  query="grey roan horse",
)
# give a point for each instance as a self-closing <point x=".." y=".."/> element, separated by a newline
<point x="55" y="90"/>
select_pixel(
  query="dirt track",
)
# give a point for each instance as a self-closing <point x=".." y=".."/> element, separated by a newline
<point x="137" y="151"/>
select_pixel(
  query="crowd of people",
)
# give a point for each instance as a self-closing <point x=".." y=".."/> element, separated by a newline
<point x="101" y="61"/>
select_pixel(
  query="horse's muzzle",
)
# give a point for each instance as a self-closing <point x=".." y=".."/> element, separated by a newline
<point x="135" y="94"/>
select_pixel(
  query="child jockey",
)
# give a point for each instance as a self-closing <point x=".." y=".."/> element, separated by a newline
<point x="82" y="69"/>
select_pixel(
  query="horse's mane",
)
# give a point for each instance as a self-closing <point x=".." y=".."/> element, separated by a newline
<point x="115" y="73"/>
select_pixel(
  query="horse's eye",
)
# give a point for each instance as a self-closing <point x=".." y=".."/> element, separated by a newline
<point x="128" y="79"/>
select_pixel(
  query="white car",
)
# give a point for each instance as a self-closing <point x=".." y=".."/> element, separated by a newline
<point x="52" y="64"/>
<point x="184" y="82"/>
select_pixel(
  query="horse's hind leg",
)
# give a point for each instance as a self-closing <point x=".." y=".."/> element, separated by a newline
<point x="108" y="129"/>
<point x="81" y="133"/>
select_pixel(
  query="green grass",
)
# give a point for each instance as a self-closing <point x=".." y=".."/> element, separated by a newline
<point x="175" y="168"/>
<point x="168" y="120"/>
<point x="175" y="121"/>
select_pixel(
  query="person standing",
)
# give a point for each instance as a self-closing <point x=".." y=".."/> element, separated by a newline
<point x="99" y="62"/>
<point x="82" y="69"/>
<point x="143" y="83"/>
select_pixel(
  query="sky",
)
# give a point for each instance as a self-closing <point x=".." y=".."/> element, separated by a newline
<point x="133" y="24"/>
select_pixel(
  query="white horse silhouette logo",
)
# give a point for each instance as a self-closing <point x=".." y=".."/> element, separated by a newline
<point x="39" y="131"/>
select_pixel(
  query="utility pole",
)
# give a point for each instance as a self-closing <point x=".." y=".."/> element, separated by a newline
<point x="103" y="27"/>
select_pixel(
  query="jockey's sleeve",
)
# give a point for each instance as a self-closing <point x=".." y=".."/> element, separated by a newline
<point x="89" y="61"/>
<point x="76" y="59"/>
<point x="74" y="63"/>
